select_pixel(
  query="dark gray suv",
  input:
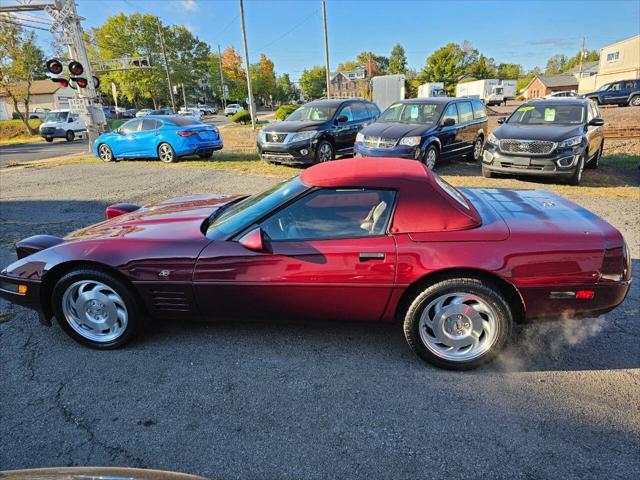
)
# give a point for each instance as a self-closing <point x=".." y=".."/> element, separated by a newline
<point x="554" y="137"/>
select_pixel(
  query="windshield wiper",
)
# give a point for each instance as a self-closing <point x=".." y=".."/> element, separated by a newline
<point x="222" y="208"/>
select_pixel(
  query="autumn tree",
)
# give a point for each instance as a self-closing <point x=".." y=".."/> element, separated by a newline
<point x="21" y="62"/>
<point x="313" y="83"/>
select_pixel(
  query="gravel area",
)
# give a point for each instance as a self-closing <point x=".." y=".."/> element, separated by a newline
<point x="307" y="400"/>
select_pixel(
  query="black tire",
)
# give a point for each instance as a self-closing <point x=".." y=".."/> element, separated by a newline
<point x="69" y="136"/>
<point x="166" y="153"/>
<point x="48" y="139"/>
<point x="430" y="157"/>
<point x="486" y="173"/>
<point x="105" y="153"/>
<point x="634" y="101"/>
<point x="204" y="156"/>
<point x="475" y="155"/>
<point x="324" y="152"/>
<point x="595" y="161"/>
<point x="576" y="177"/>
<point x="487" y="292"/>
<point x="134" y="312"/>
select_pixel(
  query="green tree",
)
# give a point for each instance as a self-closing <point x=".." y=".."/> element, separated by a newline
<point x="589" y="56"/>
<point x="21" y="62"/>
<point x="397" y="60"/>
<point x="447" y="64"/>
<point x="286" y="91"/>
<point x="374" y="64"/>
<point x="263" y="78"/>
<point x="524" y="80"/>
<point x="482" y="68"/>
<point x="313" y="83"/>
<point x="348" y="66"/>
<point x="234" y="75"/>
<point x="556" y="64"/>
<point x="509" y="71"/>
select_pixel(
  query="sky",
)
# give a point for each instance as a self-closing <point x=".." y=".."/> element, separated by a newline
<point x="290" y="31"/>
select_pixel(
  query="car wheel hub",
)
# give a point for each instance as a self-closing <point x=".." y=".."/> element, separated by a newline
<point x="458" y="326"/>
<point x="476" y="149"/>
<point x="95" y="311"/>
<point x="325" y="153"/>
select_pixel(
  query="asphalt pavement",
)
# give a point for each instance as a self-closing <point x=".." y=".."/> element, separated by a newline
<point x="29" y="152"/>
<point x="299" y="400"/>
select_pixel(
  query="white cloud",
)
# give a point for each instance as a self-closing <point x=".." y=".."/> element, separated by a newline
<point x="189" y="5"/>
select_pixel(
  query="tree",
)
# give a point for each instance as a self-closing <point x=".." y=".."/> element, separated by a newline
<point x="21" y="62"/>
<point x="348" y="66"/>
<point x="524" y="80"/>
<point x="234" y="74"/>
<point x="483" y="68"/>
<point x="285" y="90"/>
<point x="588" y="56"/>
<point x="509" y="71"/>
<point x="374" y="64"/>
<point x="397" y="60"/>
<point x="263" y="78"/>
<point x="556" y="64"/>
<point x="447" y="64"/>
<point x="313" y="83"/>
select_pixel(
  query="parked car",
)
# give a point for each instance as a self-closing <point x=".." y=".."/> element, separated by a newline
<point x="129" y="113"/>
<point x="316" y="132"/>
<point x="162" y="111"/>
<point x="621" y="93"/>
<point x="143" y="112"/>
<point x="157" y="136"/>
<point x="563" y="94"/>
<point x="62" y="124"/>
<point x="358" y="239"/>
<point x="207" y="109"/>
<point x="40" y="113"/>
<point x="109" y="112"/>
<point x="232" y="109"/>
<point x="427" y="129"/>
<point x="554" y="137"/>
<point x="193" y="112"/>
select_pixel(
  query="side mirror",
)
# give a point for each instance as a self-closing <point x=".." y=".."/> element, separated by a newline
<point x="342" y="119"/>
<point x="253" y="240"/>
<point x="449" y="122"/>
<point x="70" y="120"/>
<point x="596" y="122"/>
<point x="501" y="120"/>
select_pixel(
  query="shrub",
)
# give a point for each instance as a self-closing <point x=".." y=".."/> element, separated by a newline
<point x="242" y="116"/>
<point x="15" y="128"/>
<point x="284" y="111"/>
<point x="113" y="124"/>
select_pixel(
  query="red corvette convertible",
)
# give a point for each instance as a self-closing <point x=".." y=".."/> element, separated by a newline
<point x="358" y="239"/>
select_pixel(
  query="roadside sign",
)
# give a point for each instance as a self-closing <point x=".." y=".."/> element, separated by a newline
<point x="114" y="92"/>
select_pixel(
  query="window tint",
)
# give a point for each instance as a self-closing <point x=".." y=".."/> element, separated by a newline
<point x="615" y="87"/>
<point x="347" y="112"/>
<point x="184" y="121"/>
<point x="478" y="109"/>
<point x="628" y="85"/>
<point x="451" y="112"/>
<point x="149" y="124"/>
<point x="130" y="127"/>
<point x="374" y="110"/>
<point x="360" y="112"/>
<point x="465" y="112"/>
<point x="328" y="214"/>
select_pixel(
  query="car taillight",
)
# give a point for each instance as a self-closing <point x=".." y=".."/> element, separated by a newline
<point x="187" y="133"/>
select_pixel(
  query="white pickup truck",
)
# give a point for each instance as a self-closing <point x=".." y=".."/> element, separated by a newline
<point x="62" y="124"/>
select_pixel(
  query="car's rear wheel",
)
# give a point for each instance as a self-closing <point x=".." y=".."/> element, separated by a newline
<point x="459" y="323"/>
<point x="476" y="152"/>
<point x="324" y="151"/>
<point x="105" y="153"/>
<point x="166" y="153"/>
<point x="430" y="157"/>
<point x="205" y="155"/>
<point x="595" y="161"/>
<point x="49" y="139"/>
<point x="96" y="309"/>
<point x="576" y="177"/>
<point x="635" y="101"/>
<point x="70" y="136"/>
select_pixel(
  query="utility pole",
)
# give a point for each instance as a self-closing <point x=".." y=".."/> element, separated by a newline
<point x="252" y="108"/>
<point x="224" y="95"/>
<point x="166" y="64"/>
<point x="581" y="57"/>
<point x="326" y="46"/>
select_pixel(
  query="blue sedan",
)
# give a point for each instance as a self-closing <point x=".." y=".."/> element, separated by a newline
<point x="164" y="137"/>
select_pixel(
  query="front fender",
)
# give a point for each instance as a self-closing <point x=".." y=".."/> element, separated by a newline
<point x="430" y="141"/>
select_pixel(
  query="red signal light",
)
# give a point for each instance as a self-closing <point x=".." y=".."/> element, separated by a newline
<point x="54" y="66"/>
<point x="63" y="82"/>
<point x="81" y="82"/>
<point x="76" y="68"/>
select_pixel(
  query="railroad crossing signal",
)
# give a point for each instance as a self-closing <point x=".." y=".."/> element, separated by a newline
<point x="55" y="67"/>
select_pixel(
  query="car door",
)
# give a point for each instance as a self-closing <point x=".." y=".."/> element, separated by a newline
<point x="146" y="137"/>
<point x="613" y="94"/>
<point x="345" y="132"/>
<point x="450" y="141"/>
<point x="123" y="143"/>
<point x="467" y="131"/>
<point x="328" y="256"/>
<point x="594" y="133"/>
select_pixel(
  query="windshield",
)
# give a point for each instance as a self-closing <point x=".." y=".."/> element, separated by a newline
<point x="411" y="113"/>
<point x="547" y="115"/>
<point x="603" y="87"/>
<point x="56" y="117"/>
<point x="312" y="113"/>
<point x="251" y="209"/>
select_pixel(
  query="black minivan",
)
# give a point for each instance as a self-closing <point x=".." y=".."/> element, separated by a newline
<point x="316" y="132"/>
<point x="427" y="129"/>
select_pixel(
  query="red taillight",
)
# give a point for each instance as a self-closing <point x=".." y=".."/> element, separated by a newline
<point x="585" y="294"/>
<point x="187" y="133"/>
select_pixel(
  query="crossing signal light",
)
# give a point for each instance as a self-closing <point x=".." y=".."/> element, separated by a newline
<point x="76" y="68"/>
<point x="141" y="63"/>
<point x="63" y="82"/>
<point x="84" y="83"/>
<point x="54" y="66"/>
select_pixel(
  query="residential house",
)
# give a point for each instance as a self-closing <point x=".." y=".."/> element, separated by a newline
<point x="543" y="85"/>
<point x="349" y="84"/>
<point x="44" y="94"/>
<point x="618" y="61"/>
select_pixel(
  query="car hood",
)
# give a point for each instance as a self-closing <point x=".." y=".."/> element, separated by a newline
<point x="175" y="219"/>
<point x="395" y="130"/>
<point x="286" y="127"/>
<point x="553" y="133"/>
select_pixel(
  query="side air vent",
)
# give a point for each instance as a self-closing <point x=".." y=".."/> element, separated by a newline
<point x="166" y="301"/>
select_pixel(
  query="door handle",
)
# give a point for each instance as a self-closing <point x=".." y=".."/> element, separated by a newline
<point x="371" y="256"/>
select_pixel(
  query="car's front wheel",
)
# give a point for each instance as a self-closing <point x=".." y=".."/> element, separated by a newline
<point x="105" y="153"/>
<point x="49" y="139"/>
<point x="324" y="151"/>
<point x="459" y="323"/>
<point x="576" y="177"/>
<point x="69" y="136"/>
<point x="96" y="309"/>
<point x="430" y="157"/>
<point x="166" y="153"/>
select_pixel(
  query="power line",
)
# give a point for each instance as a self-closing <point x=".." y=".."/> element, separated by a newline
<point x="3" y="20"/>
<point x="289" y="31"/>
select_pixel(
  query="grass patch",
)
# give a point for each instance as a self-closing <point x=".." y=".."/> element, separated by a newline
<point x="622" y="160"/>
<point x="6" y="316"/>
<point x="13" y="131"/>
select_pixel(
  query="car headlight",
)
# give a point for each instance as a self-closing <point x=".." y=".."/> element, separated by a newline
<point x="410" y="141"/>
<point x="359" y="137"/>
<point x="492" y="139"/>
<point x="301" y="136"/>
<point x="263" y="136"/>
<point x="571" y="142"/>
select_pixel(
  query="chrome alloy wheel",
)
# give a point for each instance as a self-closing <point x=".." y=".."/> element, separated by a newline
<point x="477" y="149"/>
<point x="105" y="153"/>
<point x="325" y="152"/>
<point x="458" y="326"/>
<point x="430" y="160"/>
<point x="95" y="311"/>
<point x="165" y="152"/>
